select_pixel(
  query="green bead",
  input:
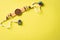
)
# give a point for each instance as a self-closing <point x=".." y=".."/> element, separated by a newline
<point x="41" y="3"/>
<point x="19" y="22"/>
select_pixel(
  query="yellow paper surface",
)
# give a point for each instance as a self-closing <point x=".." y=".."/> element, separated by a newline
<point x="43" y="25"/>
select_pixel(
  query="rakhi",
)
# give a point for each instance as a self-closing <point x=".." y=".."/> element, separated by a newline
<point x="19" y="12"/>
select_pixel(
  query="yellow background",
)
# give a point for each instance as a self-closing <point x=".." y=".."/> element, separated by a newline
<point x="44" y="25"/>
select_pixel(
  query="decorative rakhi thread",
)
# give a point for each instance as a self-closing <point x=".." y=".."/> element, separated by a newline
<point x="20" y="11"/>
